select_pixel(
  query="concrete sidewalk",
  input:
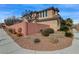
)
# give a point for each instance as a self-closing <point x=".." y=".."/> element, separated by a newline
<point x="8" y="46"/>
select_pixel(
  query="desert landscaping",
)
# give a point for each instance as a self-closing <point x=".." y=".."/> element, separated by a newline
<point x="37" y="42"/>
<point x="31" y="33"/>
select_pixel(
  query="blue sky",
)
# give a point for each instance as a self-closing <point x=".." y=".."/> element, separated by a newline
<point x="66" y="10"/>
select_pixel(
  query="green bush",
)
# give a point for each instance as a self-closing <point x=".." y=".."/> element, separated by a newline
<point x="64" y="28"/>
<point x="44" y="33"/>
<point x="47" y="31"/>
<point x="68" y="34"/>
<point x="36" y="40"/>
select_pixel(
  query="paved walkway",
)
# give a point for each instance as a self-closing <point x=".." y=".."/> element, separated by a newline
<point x="8" y="46"/>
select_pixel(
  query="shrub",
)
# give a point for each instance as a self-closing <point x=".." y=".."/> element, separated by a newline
<point x="3" y="26"/>
<point x="41" y="30"/>
<point x="36" y="40"/>
<point x="68" y="34"/>
<point x="64" y="28"/>
<point x="58" y="30"/>
<point x="11" y="20"/>
<point x="47" y="31"/>
<point x="13" y="31"/>
<point x="10" y="30"/>
<point x="44" y="33"/>
<point x="19" y="34"/>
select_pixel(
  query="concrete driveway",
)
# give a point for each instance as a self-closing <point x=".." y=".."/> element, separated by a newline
<point x="8" y="46"/>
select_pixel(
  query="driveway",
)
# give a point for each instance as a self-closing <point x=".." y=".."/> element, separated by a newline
<point x="8" y="46"/>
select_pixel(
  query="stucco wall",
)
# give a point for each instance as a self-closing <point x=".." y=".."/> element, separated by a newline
<point x="53" y="24"/>
<point x="28" y="28"/>
<point x="34" y="27"/>
<point x="19" y="25"/>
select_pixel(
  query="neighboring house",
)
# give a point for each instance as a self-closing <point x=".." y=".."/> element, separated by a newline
<point x="76" y="27"/>
<point x="47" y="16"/>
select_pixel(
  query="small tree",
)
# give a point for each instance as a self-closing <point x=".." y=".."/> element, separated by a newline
<point x="11" y="20"/>
<point x="69" y="22"/>
<point x="28" y="15"/>
<point x="63" y="22"/>
<point x="66" y="25"/>
<point x="64" y="28"/>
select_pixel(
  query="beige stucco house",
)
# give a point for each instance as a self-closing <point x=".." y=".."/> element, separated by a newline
<point x="47" y="16"/>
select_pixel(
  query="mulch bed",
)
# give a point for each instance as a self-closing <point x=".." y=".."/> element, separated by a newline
<point x="44" y="45"/>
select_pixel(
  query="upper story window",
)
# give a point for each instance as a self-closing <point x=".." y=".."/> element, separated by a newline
<point x="40" y="14"/>
<point x="45" y="13"/>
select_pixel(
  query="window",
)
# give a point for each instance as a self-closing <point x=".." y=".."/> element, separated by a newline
<point x="40" y="14"/>
<point x="45" y="13"/>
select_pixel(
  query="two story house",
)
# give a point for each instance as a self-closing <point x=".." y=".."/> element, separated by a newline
<point x="49" y="16"/>
<point x="33" y="22"/>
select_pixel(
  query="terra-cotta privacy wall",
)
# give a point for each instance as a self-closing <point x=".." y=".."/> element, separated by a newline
<point x="28" y="28"/>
